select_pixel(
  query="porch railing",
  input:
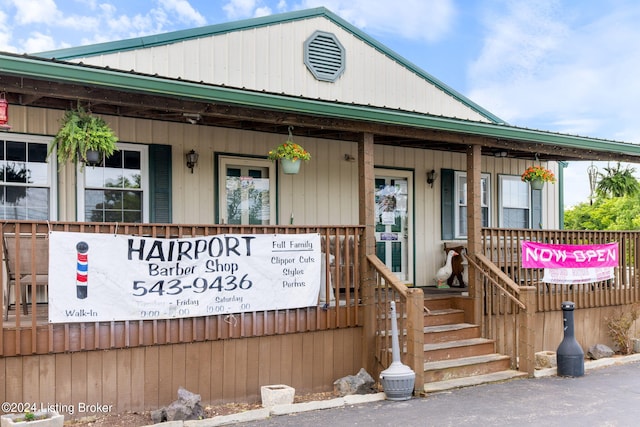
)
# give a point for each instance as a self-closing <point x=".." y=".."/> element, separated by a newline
<point x="507" y="313"/>
<point x="511" y="295"/>
<point x="410" y="318"/>
<point x="30" y="333"/>
<point x="503" y="248"/>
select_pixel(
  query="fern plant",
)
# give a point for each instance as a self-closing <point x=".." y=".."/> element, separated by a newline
<point x="80" y="132"/>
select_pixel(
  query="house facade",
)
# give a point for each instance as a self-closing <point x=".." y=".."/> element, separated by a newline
<point x="400" y="162"/>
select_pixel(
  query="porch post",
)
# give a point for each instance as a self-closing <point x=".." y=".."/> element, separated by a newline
<point x="527" y="335"/>
<point x="366" y="212"/>
<point x="474" y="224"/>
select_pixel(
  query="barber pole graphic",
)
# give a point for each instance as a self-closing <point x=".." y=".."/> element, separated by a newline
<point x="82" y="270"/>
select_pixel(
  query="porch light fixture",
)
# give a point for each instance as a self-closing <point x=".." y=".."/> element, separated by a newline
<point x="4" y="112"/>
<point x="192" y="159"/>
<point x="500" y="154"/>
<point x="431" y="177"/>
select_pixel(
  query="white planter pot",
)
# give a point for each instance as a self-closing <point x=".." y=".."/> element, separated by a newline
<point x="53" y="419"/>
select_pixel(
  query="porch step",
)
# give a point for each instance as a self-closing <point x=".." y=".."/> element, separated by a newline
<point x="455" y="354"/>
<point x="465" y="367"/>
<point x="493" y="377"/>
<point x="450" y="332"/>
<point x="456" y="349"/>
<point x="444" y="317"/>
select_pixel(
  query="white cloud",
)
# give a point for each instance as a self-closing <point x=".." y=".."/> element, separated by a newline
<point x="5" y="34"/>
<point x="184" y="10"/>
<point x="410" y="19"/>
<point x="36" y="11"/>
<point x="541" y="64"/>
<point x="38" y="42"/>
<point x="239" y="9"/>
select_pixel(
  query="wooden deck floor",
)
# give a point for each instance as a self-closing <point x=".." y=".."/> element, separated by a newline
<point x="42" y="316"/>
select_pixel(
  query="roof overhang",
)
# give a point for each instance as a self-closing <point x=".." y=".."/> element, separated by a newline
<point x="38" y="82"/>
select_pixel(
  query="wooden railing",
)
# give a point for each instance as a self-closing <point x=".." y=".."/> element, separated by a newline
<point x="507" y="315"/>
<point x="503" y="248"/>
<point x="24" y="334"/>
<point x="409" y="315"/>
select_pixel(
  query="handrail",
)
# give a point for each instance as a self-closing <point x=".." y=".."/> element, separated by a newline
<point x="388" y="275"/>
<point x="503" y="277"/>
<point x="409" y="313"/>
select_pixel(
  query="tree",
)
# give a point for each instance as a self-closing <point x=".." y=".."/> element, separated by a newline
<point x="617" y="182"/>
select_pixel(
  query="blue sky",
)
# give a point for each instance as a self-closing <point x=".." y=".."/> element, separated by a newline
<point x="558" y="65"/>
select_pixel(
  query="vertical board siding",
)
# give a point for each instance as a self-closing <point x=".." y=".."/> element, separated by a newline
<point x="147" y="378"/>
<point x="271" y="59"/>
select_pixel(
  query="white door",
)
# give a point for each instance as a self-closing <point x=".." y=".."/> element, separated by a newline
<point x="394" y="206"/>
<point x="247" y="191"/>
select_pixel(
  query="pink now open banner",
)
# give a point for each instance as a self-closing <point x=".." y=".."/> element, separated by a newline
<point x="542" y="255"/>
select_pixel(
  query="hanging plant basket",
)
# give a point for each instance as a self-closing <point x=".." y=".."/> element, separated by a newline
<point x="290" y="155"/>
<point x="81" y="133"/>
<point x="536" y="184"/>
<point x="290" y="167"/>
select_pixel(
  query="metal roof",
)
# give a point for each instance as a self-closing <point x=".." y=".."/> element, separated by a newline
<point x="42" y="82"/>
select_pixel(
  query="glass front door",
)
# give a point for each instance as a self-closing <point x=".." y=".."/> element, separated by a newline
<point x="393" y="200"/>
<point x="247" y="191"/>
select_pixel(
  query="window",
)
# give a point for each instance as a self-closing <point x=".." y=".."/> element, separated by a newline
<point x="515" y="202"/>
<point x="117" y="190"/>
<point x="27" y="180"/>
<point x="460" y="182"/>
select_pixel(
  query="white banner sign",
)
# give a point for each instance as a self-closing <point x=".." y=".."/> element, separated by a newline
<point x="104" y="277"/>
<point x="571" y="276"/>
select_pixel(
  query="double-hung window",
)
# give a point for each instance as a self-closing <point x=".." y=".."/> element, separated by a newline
<point x="460" y="212"/>
<point x="27" y="180"/>
<point x="515" y="202"/>
<point x="117" y="190"/>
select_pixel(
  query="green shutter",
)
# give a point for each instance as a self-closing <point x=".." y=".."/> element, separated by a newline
<point x="447" y="197"/>
<point x="160" y="183"/>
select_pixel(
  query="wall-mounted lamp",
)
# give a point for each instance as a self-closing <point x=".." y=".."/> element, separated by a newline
<point x="349" y="158"/>
<point x="192" y="159"/>
<point x="500" y="154"/>
<point x="431" y="177"/>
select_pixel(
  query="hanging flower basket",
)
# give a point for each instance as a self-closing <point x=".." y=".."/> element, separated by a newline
<point x="536" y="184"/>
<point x="290" y="167"/>
<point x="290" y="155"/>
<point x="536" y="176"/>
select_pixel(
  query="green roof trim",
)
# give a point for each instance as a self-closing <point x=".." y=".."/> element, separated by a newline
<point x="119" y="80"/>
<point x="217" y="29"/>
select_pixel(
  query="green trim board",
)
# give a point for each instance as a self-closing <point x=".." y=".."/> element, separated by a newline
<point x="43" y="69"/>
<point x="278" y="19"/>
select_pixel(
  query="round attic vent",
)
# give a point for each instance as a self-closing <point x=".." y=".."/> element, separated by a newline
<point x="324" y="56"/>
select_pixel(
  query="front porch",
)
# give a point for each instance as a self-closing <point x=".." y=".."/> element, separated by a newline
<point x="518" y="313"/>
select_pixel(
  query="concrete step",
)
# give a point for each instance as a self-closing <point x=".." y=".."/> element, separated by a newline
<point x="443" y="370"/>
<point x="444" y="317"/>
<point x="454" y="332"/>
<point x="456" y="349"/>
<point x="436" y="386"/>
